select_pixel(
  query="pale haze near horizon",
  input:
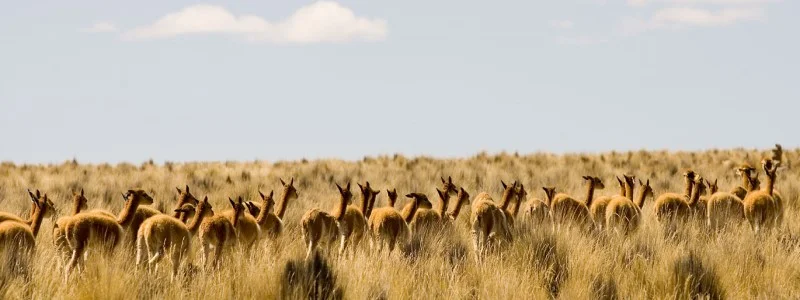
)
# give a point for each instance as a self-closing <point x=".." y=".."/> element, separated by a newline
<point x="185" y="81"/>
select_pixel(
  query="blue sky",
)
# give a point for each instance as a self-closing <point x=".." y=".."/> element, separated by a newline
<point x="110" y="81"/>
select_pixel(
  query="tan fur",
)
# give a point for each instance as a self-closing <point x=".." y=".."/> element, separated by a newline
<point x="352" y="228"/>
<point x="353" y="225"/>
<point x="18" y="246"/>
<point x="388" y="226"/>
<point x="218" y="233"/>
<point x="79" y="203"/>
<point x="18" y="240"/>
<point x="674" y="207"/>
<point x="87" y="228"/>
<point x="701" y="208"/>
<point x="724" y="210"/>
<point x="463" y="199"/>
<point x="538" y="211"/>
<point x="163" y="234"/>
<point x="488" y="223"/>
<point x="748" y="183"/>
<point x="509" y="197"/>
<point x="9" y="217"/>
<point x="407" y="209"/>
<point x="142" y="213"/>
<point x="521" y="194"/>
<point x="598" y="208"/>
<point x="6" y="216"/>
<point x="272" y="223"/>
<point x="671" y="207"/>
<point x="623" y="215"/>
<point x="247" y="229"/>
<point x="760" y="207"/>
<point x="430" y="220"/>
<point x="184" y="197"/>
<point x="367" y="198"/>
<point x="317" y="224"/>
<point x="566" y="210"/>
<point x="267" y="220"/>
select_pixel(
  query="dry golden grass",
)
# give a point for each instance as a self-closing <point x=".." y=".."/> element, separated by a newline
<point x="539" y="263"/>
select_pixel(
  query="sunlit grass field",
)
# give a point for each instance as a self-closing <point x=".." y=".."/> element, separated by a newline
<point x="539" y="264"/>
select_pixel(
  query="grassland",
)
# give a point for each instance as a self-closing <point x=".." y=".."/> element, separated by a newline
<point x="539" y="264"/>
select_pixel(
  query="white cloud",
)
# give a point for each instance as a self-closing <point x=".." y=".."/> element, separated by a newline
<point x="322" y="21"/>
<point x="700" y="17"/>
<point x="100" y="27"/>
<point x="684" y="17"/>
<point x="689" y="2"/>
<point x="562" y="24"/>
<point x="580" y="40"/>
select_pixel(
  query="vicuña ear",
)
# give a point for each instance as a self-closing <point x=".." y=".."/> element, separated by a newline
<point x="442" y="178"/>
<point x="81" y="192"/>
<point x="440" y="193"/>
<point x="282" y="183"/>
<point x="232" y="203"/>
<point x="503" y="183"/>
<point x="187" y="188"/>
<point x="291" y="182"/>
<point x="262" y="195"/>
<point x="179" y="190"/>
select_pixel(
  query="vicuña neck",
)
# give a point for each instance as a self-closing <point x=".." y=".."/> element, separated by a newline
<point x="507" y="195"/>
<point x="284" y="202"/>
<point x="196" y="221"/>
<point x="413" y="210"/>
<point x="747" y="183"/>
<point x="640" y="201"/>
<point x="589" y="193"/>
<point x="462" y="200"/>
<point x="445" y="201"/>
<point x="125" y="217"/>
<point x="76" y="206"/>
<point x="340" y="210"/>
<point x="688" y="185"/>
<point x="696" y="195"/>
<point x="36" y="220"/>
<point x="770" y="183"/>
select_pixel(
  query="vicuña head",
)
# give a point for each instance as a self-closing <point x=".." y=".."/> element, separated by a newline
<point x="184" y="197"/>
<point x="392" y="197"/>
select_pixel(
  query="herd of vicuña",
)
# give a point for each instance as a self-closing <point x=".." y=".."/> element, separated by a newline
<point x="152" y="234"/>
